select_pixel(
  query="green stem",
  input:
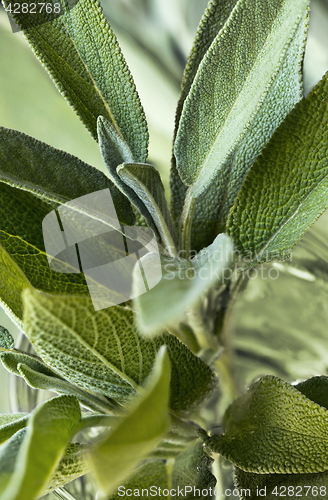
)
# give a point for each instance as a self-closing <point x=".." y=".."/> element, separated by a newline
<point x="186" y="223"/>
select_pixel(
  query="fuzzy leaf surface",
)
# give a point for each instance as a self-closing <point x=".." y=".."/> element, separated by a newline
<point x="212" y="207"/>
<point x="274" y="428"/>
<point x="23" y="260"/>
<point x="183" y="285"/>
<point x="139" y="432"/>
<point x="82" y="55"/>
<point x="309" y="486"/>
<point x="285" y="190"/>
<point x="49" y="430"/>
<point x="10" y="423"/>
<point x="51" y="174"/>
<point x="146" y="182"/>
<point x="217" y="114"/>
<point x="112" y="358"/>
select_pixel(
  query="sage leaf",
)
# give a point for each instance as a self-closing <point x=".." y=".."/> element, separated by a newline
<point x="38" y="380"/>
<point x="139" y="432"/>
<point x="146" y="182"/>
<point x="217" y="114"/>
<point x="188" y="474"/>
<point x="8" y="455"/>
<point x="212" y="207"/>
<point x="23" y="261"/>
<point x="82" y="55"/>
<point x="10" y="423"/>
<point x="316" y="389"/>
<point x="310" y="486"/>
<point x="6" y="340"/>
<point x="49" y="430"/>
<point x="285" y="190"/>
<point x="11" y="360"/>
<point x="51" y="174"/>
<point x="213" y="20"/>
<point x="72" y="465"/>
<point x="113" y="359"/>
<point x="141" y="183"/>
<point x="183" y="284"/>
<point x="274" y="428"/>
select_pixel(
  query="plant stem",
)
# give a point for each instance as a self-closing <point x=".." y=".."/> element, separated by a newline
<point x="186" y="223"/>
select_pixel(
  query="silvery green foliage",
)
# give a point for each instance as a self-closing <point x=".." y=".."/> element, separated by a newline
<point x="249" y="160"/>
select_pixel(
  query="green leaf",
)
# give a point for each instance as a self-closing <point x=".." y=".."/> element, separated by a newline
<point x="221" y="106"/>
<point x="10" y="423"/>
<point x="113" y="359"/>
<point x="8" y="455"/>
<point x="72" y="465"/>
<point x="316" y="389"/>
<point x="141" y="183"/>
<point x="139" y="432"/>
<point x="272" y="486"/>
<point x="274" y="428"/>
<point x="285" y="190"/>
<point x="50" y="428"/>
<point x="212" y="207"/>
<point x="23" y="261"/>
<point x="189" y="475"/>
<point x="82" y="55"/>
<point x="51" y="174"/>
<point x="38" y="380"/>
<point x="146" y="182"/>
<point x="213" y="20"/>
<point x="11" y="360"/>
<point x="6" y="340"/>
<point x="183" y="285"/>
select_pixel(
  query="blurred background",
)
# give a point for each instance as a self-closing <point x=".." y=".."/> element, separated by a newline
<point x="279" y="325"/>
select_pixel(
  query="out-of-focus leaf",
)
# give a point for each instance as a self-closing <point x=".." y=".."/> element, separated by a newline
<point x="139" y="432"/>
<point x="183" y="284"/>
<point x="49" y="430"/>
<point x="82" y="55"/>
<point x="113" y="359"/>
<point x="188" y="475"/>
<point x="285" y="190"/>
<point x="10" y="423"/>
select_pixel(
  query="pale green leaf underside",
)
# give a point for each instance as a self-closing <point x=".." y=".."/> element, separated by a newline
<point x="51" y="174"/>
<point x="82" y="55"/>
<point x="10" y="423"/>
<point x="286" y="189"/>
<point x="203" y="145"/>
<point x="213" y="205"/>
<point x="146" y="182"/>
<point x="139" y="432"/>
<point x="114" y="152"/>
<point x="49" y="430"/>
<point x="183" y="285"/>
<point x="274" y="428"/>
<point x="8" y="455"/>
<point x="102" y="352"/>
